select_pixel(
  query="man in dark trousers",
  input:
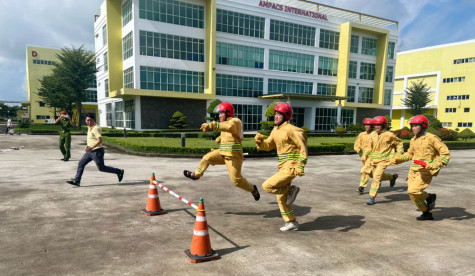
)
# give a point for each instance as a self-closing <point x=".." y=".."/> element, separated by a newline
<point x="94" y="151"/>
<point x="65" y="122"/>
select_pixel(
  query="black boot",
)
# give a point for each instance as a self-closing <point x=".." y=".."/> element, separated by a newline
<point x="392" y="182"/>
<point x="425" y="216"/>
<point x="256" y="194"/>
<point x="360" y="190"/>
<point x="431" y="201"/>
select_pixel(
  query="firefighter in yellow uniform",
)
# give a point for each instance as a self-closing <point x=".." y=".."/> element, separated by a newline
<point x="291" y="144"/>
<point x="230" y="149"/>
<point x="382" y="146"/>
<point x="431" y="154"/>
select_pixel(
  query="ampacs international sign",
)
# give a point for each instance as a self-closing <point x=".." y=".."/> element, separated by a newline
<point x="288" y="9"/>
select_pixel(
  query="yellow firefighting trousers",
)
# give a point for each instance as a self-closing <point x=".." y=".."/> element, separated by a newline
<point x="367" y="173"/>
<point x="279" y="184"/>
<point x="417" y="181"/>
<point x="379" y="175"/>
<point x="234" y="165"/>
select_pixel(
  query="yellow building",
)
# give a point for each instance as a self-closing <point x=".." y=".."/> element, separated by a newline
<point x="449" y="70"/>
<point x="39" y="63"/>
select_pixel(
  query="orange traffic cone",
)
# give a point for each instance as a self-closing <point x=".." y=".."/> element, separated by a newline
<point x="153" y="202"/>
<point x="200" y="245"/>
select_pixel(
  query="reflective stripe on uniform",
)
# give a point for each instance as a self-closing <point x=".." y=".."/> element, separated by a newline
<point x="291" y="156"/>
<point x="287" y="213"/>
<point x="230" y="147"/>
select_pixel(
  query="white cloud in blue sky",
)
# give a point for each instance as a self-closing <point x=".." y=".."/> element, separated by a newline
<point x="59" y="23"/>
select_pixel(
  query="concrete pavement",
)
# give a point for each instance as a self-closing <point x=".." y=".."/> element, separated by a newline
<point x="48" y="227"/>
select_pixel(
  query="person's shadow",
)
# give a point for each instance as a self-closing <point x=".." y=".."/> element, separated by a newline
<point x="347" y="223"/>
<point x="299" y="210"/>
<point x="452" y="213"/>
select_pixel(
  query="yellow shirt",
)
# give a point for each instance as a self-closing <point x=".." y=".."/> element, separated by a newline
<point x="383" y="146"/>
<point x="362" y="143"/>
<point x="93" y="135"/>
<point x="231" y="136"/>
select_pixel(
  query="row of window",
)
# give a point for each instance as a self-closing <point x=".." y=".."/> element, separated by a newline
<point x="43" y="62"/>
<point x="279" y="86"/>
<point x="458" y="97"/>
<point x="153" y="78"/>
<point x="127" y="46"/>
<point x="239" y="55"/>
<point x="126" y="12"/>
<point x="449" y="124"/>
<point x="454" y="110"/>
<point x="239" y="23"/>
<point x="90" y="96"/>
<point x="239" y="86"/>
<point x="172" y="12"/>
<point x="457" y="79"/>
<point x="464" y="60"/>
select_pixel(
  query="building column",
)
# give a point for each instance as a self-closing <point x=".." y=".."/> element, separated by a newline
<point x="403" y="118"/>
<point x="338" y="113"/>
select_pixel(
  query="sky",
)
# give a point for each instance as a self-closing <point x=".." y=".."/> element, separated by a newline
<point x="60" y="23"/>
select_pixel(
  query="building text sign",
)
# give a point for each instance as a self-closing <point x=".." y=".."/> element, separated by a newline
<point x="293" y="10"/>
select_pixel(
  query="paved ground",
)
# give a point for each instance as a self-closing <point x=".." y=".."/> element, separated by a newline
<point x="51" y="228"/>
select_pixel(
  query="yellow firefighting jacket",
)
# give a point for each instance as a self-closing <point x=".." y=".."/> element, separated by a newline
<point x="231" y="136"/>
<point x="382" y="146"/>
<point x="362" y="143"/>
<point x="291" y="144"/>
<point x="428" y="148"/>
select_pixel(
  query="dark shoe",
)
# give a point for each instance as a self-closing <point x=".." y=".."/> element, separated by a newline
<point x="66" y="159"/>
<point x="256" y="194"/>
<point x="425" y="216"/>
<point x="62" y="159"/>
<point x="120" y="175"/>
<point x="431" y="202"/>
<point x="73" y="182"/>
<point x="393" y="181"/>
<point x="370" y="201"/>
<point x="360" y="190"/>
<point x="189" y="174"/>
<point x="292" y="195"/>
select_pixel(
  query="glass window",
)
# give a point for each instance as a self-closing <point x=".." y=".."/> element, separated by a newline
<point x="389" y="73"/>
<point x="250" y="115"/>
<point x="119" y="114"/>
<point x="129" y="113"/>
<point x="291" y="62"/>
<point x="466" y="109"/>
<point x="129" y="77"/>
<point x="367" y="71"/>
<point x="109" y="115"/>
<point x="292" y="33"/>
<point x="172" y="12"/>
<point x="391" y="46"/>
<point x="329" y="39"/>
<point x="106" y="87"/>
<point x="299" y="116"/>
<point x="127" y="46"/>
<point x="365" y="95"/>
<point x="351" y="94"/>
<point x="106" y="64"/>
<point x="90" y="96"/>
<point x="104" y="35"/>
<point x="353" y="70"/>
<point x="154" y="78"/>
<point x="446" y="124"/>
<point x="238" y="86"/>
<point x="387" y="96"/>
<point x="126" y="12"/>
<point x="239" y="23"/>
<point x="355" y="42"/>
<point x="327" y="66"/>
<point x="239" y="55"/>
<point x="326" y="118"/>
<point x="171" y="46"/>
<point x="326" y="89"/>
<point x="368" y="46"/>
<point x="279" y="86"/>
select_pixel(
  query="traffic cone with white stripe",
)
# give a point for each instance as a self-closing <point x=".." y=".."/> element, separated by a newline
<point x="153" y="202"/>
<point x="200" y="245"/>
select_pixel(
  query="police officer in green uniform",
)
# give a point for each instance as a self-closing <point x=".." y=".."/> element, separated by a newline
<point x="65" y="123"/>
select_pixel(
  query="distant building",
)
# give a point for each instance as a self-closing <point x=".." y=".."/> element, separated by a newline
<point x="449" y="70"/>
<point x="156" y="57"/>
<point x="39" y="63"/>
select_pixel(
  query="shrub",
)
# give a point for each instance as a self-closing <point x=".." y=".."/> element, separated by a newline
<point x="448" y="134"/>
<point x="340" y="131"/>
<point x="466" y="134"/>
<point x="305" y="129"/>
<point x="178" y="121"/>
<point x="433" y="122"/>
<point x="403" y="133"/>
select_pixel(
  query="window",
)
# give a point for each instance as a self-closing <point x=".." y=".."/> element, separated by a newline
<point x="127" y="46"/>
<point x="90" y="96"/>
<point x="92" y="83"/>
<point x="126" y="12"/>
<point x="458" y="97"/>
<point x="326" y="89"/>
<point x="391" y="46"/>
<point x="250" y="115"/>
<point x="129" y="77"/>
<point x="387" y="96"/>
<point x="239" y="55"/>
<point x="292" y="33"/>
<point x="239" y="86"/>
<point x="329" y="39"/>
<point x="446" y="124"/>
<point x="365" y="95"/>
<point x="106" y="65"/>
<point x="42" y="104"/>
<point x="154" y="78"/>
<point x="279" y="86"/>
<point x="325" y="118"/>
<point x="291" y="62"/>
<point x="171" y="46"/>
<point x="104" y="35"/>
<point x="327" y="66"/>
<point x="351" y="94"/>
<point x="464" y="60"/>
<point x="240" y="24"/>
<point x="367" y="71"/>
<point x="109" y="114"/>
<point x="43" y="62"/>
<point x="129" y="113"/>
<point x="355" y="42"/>
<point x="457" y="79"/>
<point x="119" y="114"/>
<point x="389" y="73"/>
<point x="353" y="70"/>
<point x="450" y="110"/>
<point x="299" y="116"/>
<point x="106" y="87"/>
<point x="172" y="12"/>
<point x="464" y="125"/>
<point x="368" y="46"/>
<point x="466" y="109"/>
<point x="42" y="117"/>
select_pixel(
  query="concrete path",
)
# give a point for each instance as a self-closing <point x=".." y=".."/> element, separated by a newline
<point x="48" y="227"/>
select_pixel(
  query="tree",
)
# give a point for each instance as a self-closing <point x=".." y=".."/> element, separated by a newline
<point x="433" y="122"/>
<point x="417" y="97"/>
<point x="8" y="111"/>
<point x="266" y="126"/>
<point x="178" y="121"/>
<point x="70" y="78"/>
<point x="210" y="110"/>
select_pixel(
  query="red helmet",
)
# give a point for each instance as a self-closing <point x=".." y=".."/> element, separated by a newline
<point x="380" y="120"/>
<point x="227" y="108"/>
<point x="367" y="121"/>
<point x="419" y="119"/>
<point x="285" y="109"/>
